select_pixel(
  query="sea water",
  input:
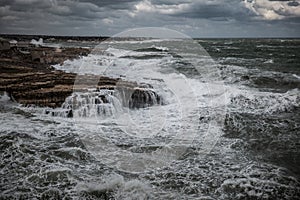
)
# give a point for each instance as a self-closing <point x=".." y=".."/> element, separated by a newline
<point x="227" y="126"/>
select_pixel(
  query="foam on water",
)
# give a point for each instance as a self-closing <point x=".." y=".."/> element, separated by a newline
<point x="117" y="188"/>
<point x="50" y="151"/>
<point x="185" y="98"/>
<point x="4" y="98"/>
<point x="206" y="91"/>
<point x="264" y="102"/>
<point x="295" y="75"/>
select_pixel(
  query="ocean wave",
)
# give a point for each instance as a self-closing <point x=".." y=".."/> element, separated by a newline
<point x="153" y="48"/>
<point x="265" y="102"/>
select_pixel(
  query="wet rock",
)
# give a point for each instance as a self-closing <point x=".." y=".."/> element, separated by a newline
<point x="143" y="97"/>
<point x="245" y="78"/>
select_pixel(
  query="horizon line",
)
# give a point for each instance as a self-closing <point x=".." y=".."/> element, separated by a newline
<point x="105" y="36"/>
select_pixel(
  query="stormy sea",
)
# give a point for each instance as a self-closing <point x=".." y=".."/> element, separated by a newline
<point x="226" y="125"/>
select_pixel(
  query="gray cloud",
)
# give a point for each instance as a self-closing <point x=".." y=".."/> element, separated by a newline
<point x="106" y="17"/>
<point x="274" y="10"/>
<point x="218" y="10"/>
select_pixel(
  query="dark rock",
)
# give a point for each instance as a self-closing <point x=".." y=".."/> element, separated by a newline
<point x="70" y="114"/>
<point x="245" y="77"/>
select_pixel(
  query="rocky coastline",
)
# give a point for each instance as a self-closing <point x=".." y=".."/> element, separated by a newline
<point x="28" y="77"/>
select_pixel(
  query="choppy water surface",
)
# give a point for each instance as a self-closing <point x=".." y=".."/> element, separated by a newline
<point x="246" y="103"/>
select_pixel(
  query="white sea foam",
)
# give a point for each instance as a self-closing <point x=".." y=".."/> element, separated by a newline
<point x="160" y="48"/>
<point x="296" y="76"/>
<point x="4" y="97"/>
<point x="269" y="61"/>
<point x="264" y="102"/>
<point x="117" y="187"/>
<point x="37" y="43"/>
<point x="185" y="99"/>
<point x="193" y="111"/>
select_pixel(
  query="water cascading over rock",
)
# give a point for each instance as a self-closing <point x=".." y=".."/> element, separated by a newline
<point x="107" y="101"/>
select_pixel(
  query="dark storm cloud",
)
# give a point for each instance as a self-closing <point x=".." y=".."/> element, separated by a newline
<point x="80" y="10"/>
<point x="121" y="4"/>
<point x="94" y="17"/>
<point x="217" y="10"/>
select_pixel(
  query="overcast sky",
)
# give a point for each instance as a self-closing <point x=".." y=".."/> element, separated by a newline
<point x="196" y="18"/>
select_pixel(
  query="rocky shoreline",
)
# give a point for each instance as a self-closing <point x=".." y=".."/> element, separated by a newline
<point x="28" y="78"/>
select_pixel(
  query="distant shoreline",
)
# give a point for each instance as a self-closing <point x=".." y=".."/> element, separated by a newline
<point x="47" y="37"/>
<point x="101" y="38"/>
